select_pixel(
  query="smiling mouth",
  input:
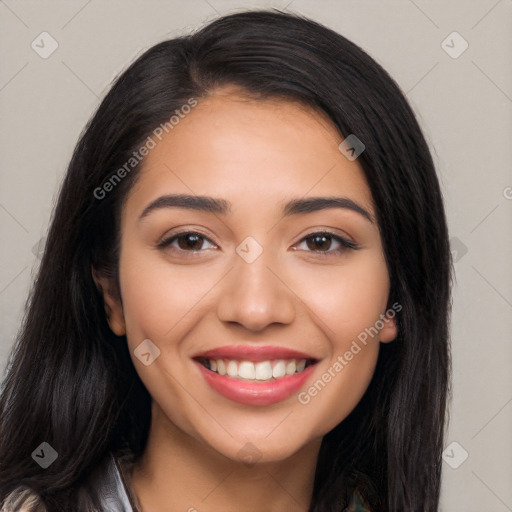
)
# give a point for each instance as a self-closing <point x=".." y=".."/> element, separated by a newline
<point x="256" y="371"/>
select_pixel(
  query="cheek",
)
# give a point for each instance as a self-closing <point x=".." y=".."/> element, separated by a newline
<point x="158" y="298"/>
<point x="160" y="303"/>
<point x="339" y="387"/>
<point x="350" y="309"/>
<point x="348" y="299"/>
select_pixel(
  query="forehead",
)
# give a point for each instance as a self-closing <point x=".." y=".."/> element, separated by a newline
<point x="251" y="152"/>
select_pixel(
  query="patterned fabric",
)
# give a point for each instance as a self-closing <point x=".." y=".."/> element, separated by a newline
<point x="357" y="503"/>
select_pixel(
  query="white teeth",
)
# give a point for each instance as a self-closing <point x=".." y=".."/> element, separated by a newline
<point x="279" y="369"/>
<point x="262" y="370"/>
<point x="232" y="369"/>
<point x="221" y="367"/>
<point x="290" y="368"/>
<point x="246" y="370"/>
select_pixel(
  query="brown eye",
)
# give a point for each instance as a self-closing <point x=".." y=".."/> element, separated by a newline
<point x="190" y="241"/>
<point x="321" y="243"/>
<point x="187" y="241"/>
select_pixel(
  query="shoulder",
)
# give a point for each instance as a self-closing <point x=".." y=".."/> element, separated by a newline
<point x="23" y="499"/>
<point x="104" y="489"/>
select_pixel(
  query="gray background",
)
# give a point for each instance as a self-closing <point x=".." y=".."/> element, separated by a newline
<point x="464" y="105"/>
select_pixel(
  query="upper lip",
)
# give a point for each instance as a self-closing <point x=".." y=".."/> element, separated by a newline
<point x="253" y="353"/>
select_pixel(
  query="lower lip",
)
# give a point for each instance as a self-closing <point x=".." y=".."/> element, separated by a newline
<point x="254" y="392"/>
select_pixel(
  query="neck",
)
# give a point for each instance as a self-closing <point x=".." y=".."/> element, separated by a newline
<point x="178" y="473"/>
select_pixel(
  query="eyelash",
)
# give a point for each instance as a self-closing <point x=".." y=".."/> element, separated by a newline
<point x="346" y="244"/>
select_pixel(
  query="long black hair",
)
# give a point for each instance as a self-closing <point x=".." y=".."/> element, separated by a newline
<point x="70" y="381"/>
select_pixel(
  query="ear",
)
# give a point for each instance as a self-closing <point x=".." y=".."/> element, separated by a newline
<point x="390" y="330"/>
<point x="112" y="301"/>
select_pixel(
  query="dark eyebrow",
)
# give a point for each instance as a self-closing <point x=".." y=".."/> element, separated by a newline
<point x="200" y="203"/>
<point x="221" y="206"/>
<point x="313" y="204"/>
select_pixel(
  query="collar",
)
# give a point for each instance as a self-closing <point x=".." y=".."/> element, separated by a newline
<point x="109" y="484"/>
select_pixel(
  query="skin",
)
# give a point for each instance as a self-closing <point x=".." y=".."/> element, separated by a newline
<point x="257" y="155"/>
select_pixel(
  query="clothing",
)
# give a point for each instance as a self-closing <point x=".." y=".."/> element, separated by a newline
<point x="106" y="490"/>
<point x="111" y="487"/>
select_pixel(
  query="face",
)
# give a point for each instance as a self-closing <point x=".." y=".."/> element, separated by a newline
<point x="276" y="294"/>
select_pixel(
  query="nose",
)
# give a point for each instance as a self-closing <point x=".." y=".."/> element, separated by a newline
<point x="256" y="295"/>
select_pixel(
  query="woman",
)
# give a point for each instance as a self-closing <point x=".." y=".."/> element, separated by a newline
<point x="194" y="340"/>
